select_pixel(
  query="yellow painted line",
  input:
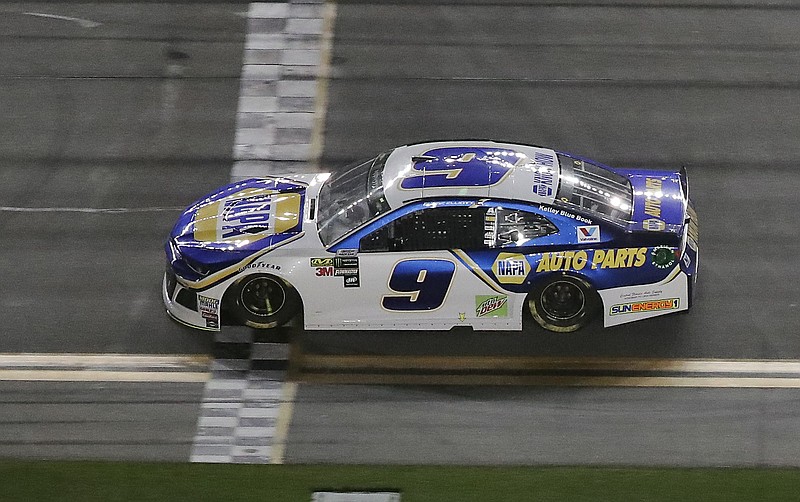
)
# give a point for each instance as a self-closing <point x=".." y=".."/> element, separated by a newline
<point x="127" y="360"/>
<point x="556" y="381"/>
<point x="101" y="376"/>
<point x="359" y="362"/>
<point x="321" y="101"/>
<point x="104" y="368"/>
<point x="278" y="447"/>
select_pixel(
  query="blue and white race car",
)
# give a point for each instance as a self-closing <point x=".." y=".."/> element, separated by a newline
<point x="437" y="235"/>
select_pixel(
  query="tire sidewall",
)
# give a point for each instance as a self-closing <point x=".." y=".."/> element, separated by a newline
<point x="287" y="311"/>
<point x="590" y="309"/>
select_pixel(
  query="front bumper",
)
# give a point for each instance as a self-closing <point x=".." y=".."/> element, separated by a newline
<point x="179" y="301"/>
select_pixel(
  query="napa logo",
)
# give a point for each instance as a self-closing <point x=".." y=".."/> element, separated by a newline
<point x="588" y="233"/>
<point x="511" y="268"/>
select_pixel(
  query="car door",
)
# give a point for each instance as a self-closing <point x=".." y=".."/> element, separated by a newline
<point x="409" y="275"/>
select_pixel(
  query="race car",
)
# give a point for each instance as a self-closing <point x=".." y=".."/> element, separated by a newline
<point x="438" y="235"/>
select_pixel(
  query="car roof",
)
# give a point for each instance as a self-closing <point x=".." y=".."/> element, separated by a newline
<point x="470" y="169"/>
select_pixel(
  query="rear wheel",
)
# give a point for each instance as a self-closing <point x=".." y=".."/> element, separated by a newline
<point x="563" y="304"/>
<point x="263" y="301"/>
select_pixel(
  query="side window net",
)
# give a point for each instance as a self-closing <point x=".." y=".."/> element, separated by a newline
<point x="512" y="228"/>
<point x="429" y="230"/>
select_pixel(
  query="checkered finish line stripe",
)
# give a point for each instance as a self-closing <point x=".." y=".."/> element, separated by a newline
<point x="277" y="98"/>
<point x="242" y="401"/>
<point x="239" y="415"/>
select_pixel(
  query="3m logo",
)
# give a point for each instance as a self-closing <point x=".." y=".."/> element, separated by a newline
<point x="589" y="233"/>
<point x="325" y="272"/>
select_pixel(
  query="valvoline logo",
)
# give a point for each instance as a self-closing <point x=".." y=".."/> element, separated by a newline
<point x="588" y="233"/>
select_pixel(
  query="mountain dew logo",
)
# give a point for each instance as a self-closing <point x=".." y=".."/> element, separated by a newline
<point x="663" y="257"/>
<point x="496" y="305"/>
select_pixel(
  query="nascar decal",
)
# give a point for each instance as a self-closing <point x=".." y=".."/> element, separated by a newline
<point x="511" y="268"/>
<point x="250" y="214"/>
<point x="461" y="167"/>
<point x="588" y="233"/>
<point x="491" y="305"/>
<point x="645" y="306"/>
<point x="595" y="259"/>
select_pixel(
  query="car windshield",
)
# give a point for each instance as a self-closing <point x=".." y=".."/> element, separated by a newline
<point x="595" y="189"/>
<point x="350" y="198"/>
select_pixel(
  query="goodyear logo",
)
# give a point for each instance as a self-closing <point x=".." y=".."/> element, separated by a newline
<point x="595" y="259"/>
<point x="321" y="262"/>
<point x="511" y="268"/>
<point x="488" y="304"/>
<point x="645" y="306"/>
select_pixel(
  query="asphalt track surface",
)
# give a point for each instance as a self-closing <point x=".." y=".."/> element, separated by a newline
<point x="138" y="112"/>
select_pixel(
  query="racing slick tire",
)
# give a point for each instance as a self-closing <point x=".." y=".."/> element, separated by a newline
<point x="563" y="304"/>
<point x="263" y="301"/>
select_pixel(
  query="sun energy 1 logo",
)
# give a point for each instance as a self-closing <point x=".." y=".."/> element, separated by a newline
<point x="588" y="233"/>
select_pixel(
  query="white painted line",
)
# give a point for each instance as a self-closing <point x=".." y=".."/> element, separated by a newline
<point x="117" y="361"/>
<point x="323" y="77"/>
<point x="282" y="426"/>
<point x="84" y="23"/>
<point x="367" y="362"/>
<point x="556" y="381"/>
<point x="102" y="376"/>
<point x="13" y="209"/>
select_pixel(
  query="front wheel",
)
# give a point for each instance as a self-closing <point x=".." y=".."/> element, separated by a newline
<point x="263" y="301"/>
<point x="563" y="304"/>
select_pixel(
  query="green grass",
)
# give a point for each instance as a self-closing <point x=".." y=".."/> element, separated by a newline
<point x="111" y="481"/>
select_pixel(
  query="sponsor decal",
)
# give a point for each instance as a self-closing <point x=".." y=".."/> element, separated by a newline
<point x="262" y="266"/>
<point x="645" y="306"/>
<point x="346" y="252"/>
<point x="490" y="227"/>
<point x="209" y="310"/>
<point x="652" y="205"/>
<point x="496" y="305"/>
<point x="544" y="159"/>
<point x="344" y="266"/>
<point x="543" y="177"/>
<point x="589" y="233"/>
<point x="663" y="257"/>
<point x="324" y="272"/>
<point x="321" y="262"/>
<point x="597" y="258"/>
<point x="351" y="281"/>
<point x="561" y="212"/>
<point x="340" y="272"/>
<point x="654" y="225"/>
<point x="511" y="268"/>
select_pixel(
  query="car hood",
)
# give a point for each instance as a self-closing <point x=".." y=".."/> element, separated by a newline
<point x="235" y="221"/>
